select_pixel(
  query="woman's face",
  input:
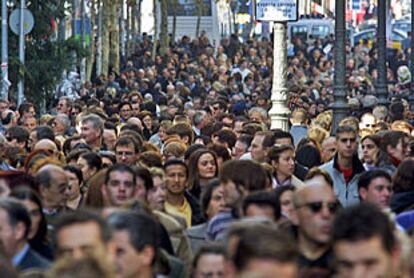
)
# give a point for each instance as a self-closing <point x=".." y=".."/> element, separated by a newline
<point x="156" y="196"/>
<point x="286" y="164"/>
<point x="35" y="216"/>
<point x="216" y="203"/>
<point x="286" y="203"/>
<point x="207" y="167"/>
<point x="369" y="151"/>
<point x="147" y="122"/>
<point x="87" y="172"/>
<point x="140" y="191"/>
<point x="73" y="190"/>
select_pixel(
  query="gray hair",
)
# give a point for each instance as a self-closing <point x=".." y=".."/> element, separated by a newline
<point x="260" y="110"/>
<point x="199" y="117"/>
<point x="96" y="121"/>
<point x="63" y="119"/>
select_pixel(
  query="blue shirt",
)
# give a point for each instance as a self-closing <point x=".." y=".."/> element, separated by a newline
<point x="17" y="259"/>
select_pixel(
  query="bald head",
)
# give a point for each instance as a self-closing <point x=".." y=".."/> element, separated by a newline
<point x="135" y="121"/>
<point x="46" y="144"/>
<point x="53" y="184"/>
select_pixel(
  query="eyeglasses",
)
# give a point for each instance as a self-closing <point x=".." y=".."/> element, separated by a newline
<point x="124" y="153"/>
<point x="316" y="207"/>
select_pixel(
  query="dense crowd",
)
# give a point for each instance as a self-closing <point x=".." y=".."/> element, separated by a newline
<point x="169" y="168"/>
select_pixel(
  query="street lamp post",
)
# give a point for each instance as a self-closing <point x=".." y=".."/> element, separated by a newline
<point x="411" y="96"/>
<point x="381" y="84"/>
<point x="340" y="106"/>
<point x="279" y="112"/>
<point x="4" y="51"/>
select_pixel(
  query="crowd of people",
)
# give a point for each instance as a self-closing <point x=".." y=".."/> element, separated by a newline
<point x="170" y="169"/>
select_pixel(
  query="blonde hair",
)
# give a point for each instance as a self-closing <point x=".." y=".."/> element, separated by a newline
<point x="318" y="134"/>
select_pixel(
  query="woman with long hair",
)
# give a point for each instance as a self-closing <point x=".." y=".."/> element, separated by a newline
<point x="37" y="236"/>
<point x="202" y="167"/>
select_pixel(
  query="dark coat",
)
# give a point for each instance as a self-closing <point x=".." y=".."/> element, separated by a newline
<point x="33" y="260"/>
<point x="402" y="201"/>
<point x="196" y="213"/>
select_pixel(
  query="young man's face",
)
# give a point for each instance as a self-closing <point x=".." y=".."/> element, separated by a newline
<point x="379" y="192"/>
<point x="364" y="258"/>
<point x="120" y="187"/>
<point x="176" y="178"/>
<point x="346" y="144"/>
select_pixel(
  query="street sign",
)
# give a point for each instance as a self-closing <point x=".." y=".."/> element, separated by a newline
<point x="356" y="5"/>
<point x="277" y="10"/>
<point x="28" y="21"/>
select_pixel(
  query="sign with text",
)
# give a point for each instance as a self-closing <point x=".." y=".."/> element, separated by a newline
<point x="277" y="10"/>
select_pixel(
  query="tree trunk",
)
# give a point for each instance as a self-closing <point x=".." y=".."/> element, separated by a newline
<point x="91" y="58"/>
<point x="114" y="52"/>
<point x="105" y="38"/>
<point x="174" y="25"/>
<point x="155" y="44"/>
<point x="164" y="27"/>
<point x="199" y="14"/>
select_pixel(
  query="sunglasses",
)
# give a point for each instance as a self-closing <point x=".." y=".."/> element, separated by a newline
<point x="316" y="207"/>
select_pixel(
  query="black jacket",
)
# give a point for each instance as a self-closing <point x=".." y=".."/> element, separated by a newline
<point x="196" y="213"/>
<point x="402" y="201"/>
<point x="33" y="260"/>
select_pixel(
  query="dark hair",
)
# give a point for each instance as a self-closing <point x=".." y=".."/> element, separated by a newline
<point x="281" y="134"/>
<point x="226" y="136"/>
<point x="25" y="193"/>
<point x="403" y="180"/>
<point x="362" y="222"/>
<point x="374" y="138"/>
<point x="76" y="171"/>
<point x="145" y="175"/>
<point x="16" y="213"/>
<point x="276" y="151"/>
<point x="240" y="173"/>
<point x="367" y="177"/>
<point x="315" y="171"/>
<point x="142" y="229"/>
<point x="70" y="218"/>
<point x="121" y="168"/>
<point x="308" y="156"/>
<point x="272" y="244"/>
<point x="208" y="194"/>
<point x="191" y="149"/>
<point x="263" y="198"/>
<point x="220" y="151"/>
<point x="126" y="141"/>
<point x="172" y="162"/>
<point x="17" y="132"/>
<point x="391" y="138"/>
<point x="44" y="132"/>
<point x="206" y="249"/>
<point x="193" y="175"/>
<point x="246" y="139"/>
<point x="282" y="189"/>
<point x="268" y="138"/>
<point x="93" y="159"/>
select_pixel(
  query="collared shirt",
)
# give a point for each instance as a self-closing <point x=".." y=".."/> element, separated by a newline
<point x="183" y="211"/>
<point x="17" y="259"/>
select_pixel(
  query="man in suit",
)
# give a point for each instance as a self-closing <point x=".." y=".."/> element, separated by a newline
<point x="14" y="228"/>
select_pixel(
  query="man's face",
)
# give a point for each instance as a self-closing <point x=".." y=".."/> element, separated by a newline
<point x="231" y="194"/>
<point x="364" y="258"/>
<point x="176" y="179"/>
<point x="379" y="192"/>
<point x="210" y="265"/>
<point x="328" y="150"/>
<point x="3" y="107"/>
<point x="62" y="107"/>
<point x="313" y="214"/>
<point x="257" y="150"/>
<point x="125" y="112"/>
<point x="399" y="152"/>
<point x="30" y="123"/>
<point x="126" y="154"/>
<point x="346" y="144"/>
<point x="120" y="187"/>
<point x="55" y="194"/>
<point x="7" y="234"/>
<point x="369" y="151"/>
<point x="256" y="117"/>
<point x="239" y="149"/>
<point x="89" y="133"/>
<point x="284" y="141"/>
<point x="80" y="240"/>
<point x="135" y="109"/>
<point x="109" y="138"/>
<point x="32" y="139"/>
<point x="368" y="121"/>
<point x="129" y="262"/>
